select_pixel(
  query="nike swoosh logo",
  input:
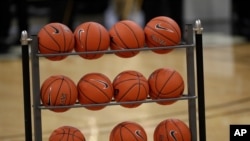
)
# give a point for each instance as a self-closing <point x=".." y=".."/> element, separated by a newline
<point x="105" y="85"/>
<point x="79" y="35"/>
<point x="56" y="30"/>
<point x="49" y="96"/>
<point x="138" y="133"/>
<point x="158" y="26"/>
<point x="172" y="133"/>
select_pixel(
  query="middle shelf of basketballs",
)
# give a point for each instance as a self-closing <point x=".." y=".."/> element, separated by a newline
<point x="130" y="89"/>
<point x="91" y="40"/>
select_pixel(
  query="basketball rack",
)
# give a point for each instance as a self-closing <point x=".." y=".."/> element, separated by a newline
<point x="195" y="82"/>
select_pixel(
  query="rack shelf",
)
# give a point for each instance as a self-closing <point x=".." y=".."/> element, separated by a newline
<point x="191" y="85"/>
<point x="148" y="100"/>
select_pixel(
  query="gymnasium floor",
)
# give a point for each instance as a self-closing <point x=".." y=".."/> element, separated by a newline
<point x="226" y="73"/>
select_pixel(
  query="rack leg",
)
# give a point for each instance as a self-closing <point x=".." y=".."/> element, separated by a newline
<point x="200" y="80"/>
<point x="188" y="36"/>
<point x="26" y="86"/>
<point x="36" y="90"/>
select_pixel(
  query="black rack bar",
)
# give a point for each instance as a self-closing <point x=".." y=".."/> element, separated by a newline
<point x="200" y="80"/>
<point x="113" y="102"/>
<point x="188" y="36"/>
<point x="113" y="51"/>
<point x="26" y="85"/>
<point x="36" y="89"/>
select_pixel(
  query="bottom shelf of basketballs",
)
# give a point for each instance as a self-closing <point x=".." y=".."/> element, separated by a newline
<point x="129" y="89"/>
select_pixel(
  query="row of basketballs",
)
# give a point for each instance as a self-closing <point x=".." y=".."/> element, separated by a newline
<point x="92" y="39"/>
<point x="129" y="88"/>
<point x="167" y="130"/>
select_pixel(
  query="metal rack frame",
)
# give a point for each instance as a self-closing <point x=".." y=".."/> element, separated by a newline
<point x="193" y="75"/>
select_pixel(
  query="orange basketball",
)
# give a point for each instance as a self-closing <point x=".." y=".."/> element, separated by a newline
<point x="128" y="131"/>
<point x="165" y="83"/>
<point x="126" y="34"/>
<point x="58" y="90"/>
<point x="95" y="88"/>
<point x="55" y="38"/>
<point x="91" y="36"/>
<point x="172" y="130"/>
<point x="162" y="31"/>
<point x="130" y="86"/>
<point x="66" y="133"/>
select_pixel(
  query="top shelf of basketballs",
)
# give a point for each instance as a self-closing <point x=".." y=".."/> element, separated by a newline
<point x="126" y="39"/>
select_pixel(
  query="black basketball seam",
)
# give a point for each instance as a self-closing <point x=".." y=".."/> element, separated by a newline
<point x="165" y="123"/>
<point x="69" y="134"/>
<point x="90" y="56"/>
<point x="139" y="83"/>
<point x="64" y="41"/>
<point x="136" y="38"/>
<point x="155" y="84"/>
<point x="170" y="25"/>
<point x="169" y="39"/>
<point x="177" y="128"/>
<point x="53" y="51"/>
<point x="86" y="40"/>
<point x="86" y="37"/>
<point x="42" y="95"/>
<point x="128" y="90"/>
<point x="118" y="35"/>
<point x="70" y="42"/>
<point x="152" y="43"/>
<point x="43" y="46"/>
<point x="120" y="132"/>
<point x="73" y="135"/>
<point x="177" y="88"/>
<point x="156" y="135"/>
<point x="60" y="86"/>
<point x="123" y="43"/>
<point x="138" y="45"/>
<point x="130" y="131"/>
<point x="82" y="93"/>
<point x="70" y="90"/>
<point x="114" y="131"/>
<point x="172" y="73"/>
<point x="52" y="37"/>
<point x="99" y="89"/>
<point x="99" y="42"/>
<point x="100" y="37"/>
<point x="134" y="73"/>
<point x="118" y="83"/>
<point x="64" y="132"/>
<point x="146" y="87"/>
<point x="105" y="94"/>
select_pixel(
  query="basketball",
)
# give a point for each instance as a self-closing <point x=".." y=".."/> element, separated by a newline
<point x="66" y="133"/>
<point x="128" y="131"/>
<point x="172" y="130"/>
<point x="95" y="88"/>
<point x="162" y="31"/>
<point x="91" y="36"/>
<point x="165" y="83"/>
<point x="55" y="38"/>
<point x="126" y="34"/>
<point x="130" y="86"/>
<point x="58" y="90"/>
